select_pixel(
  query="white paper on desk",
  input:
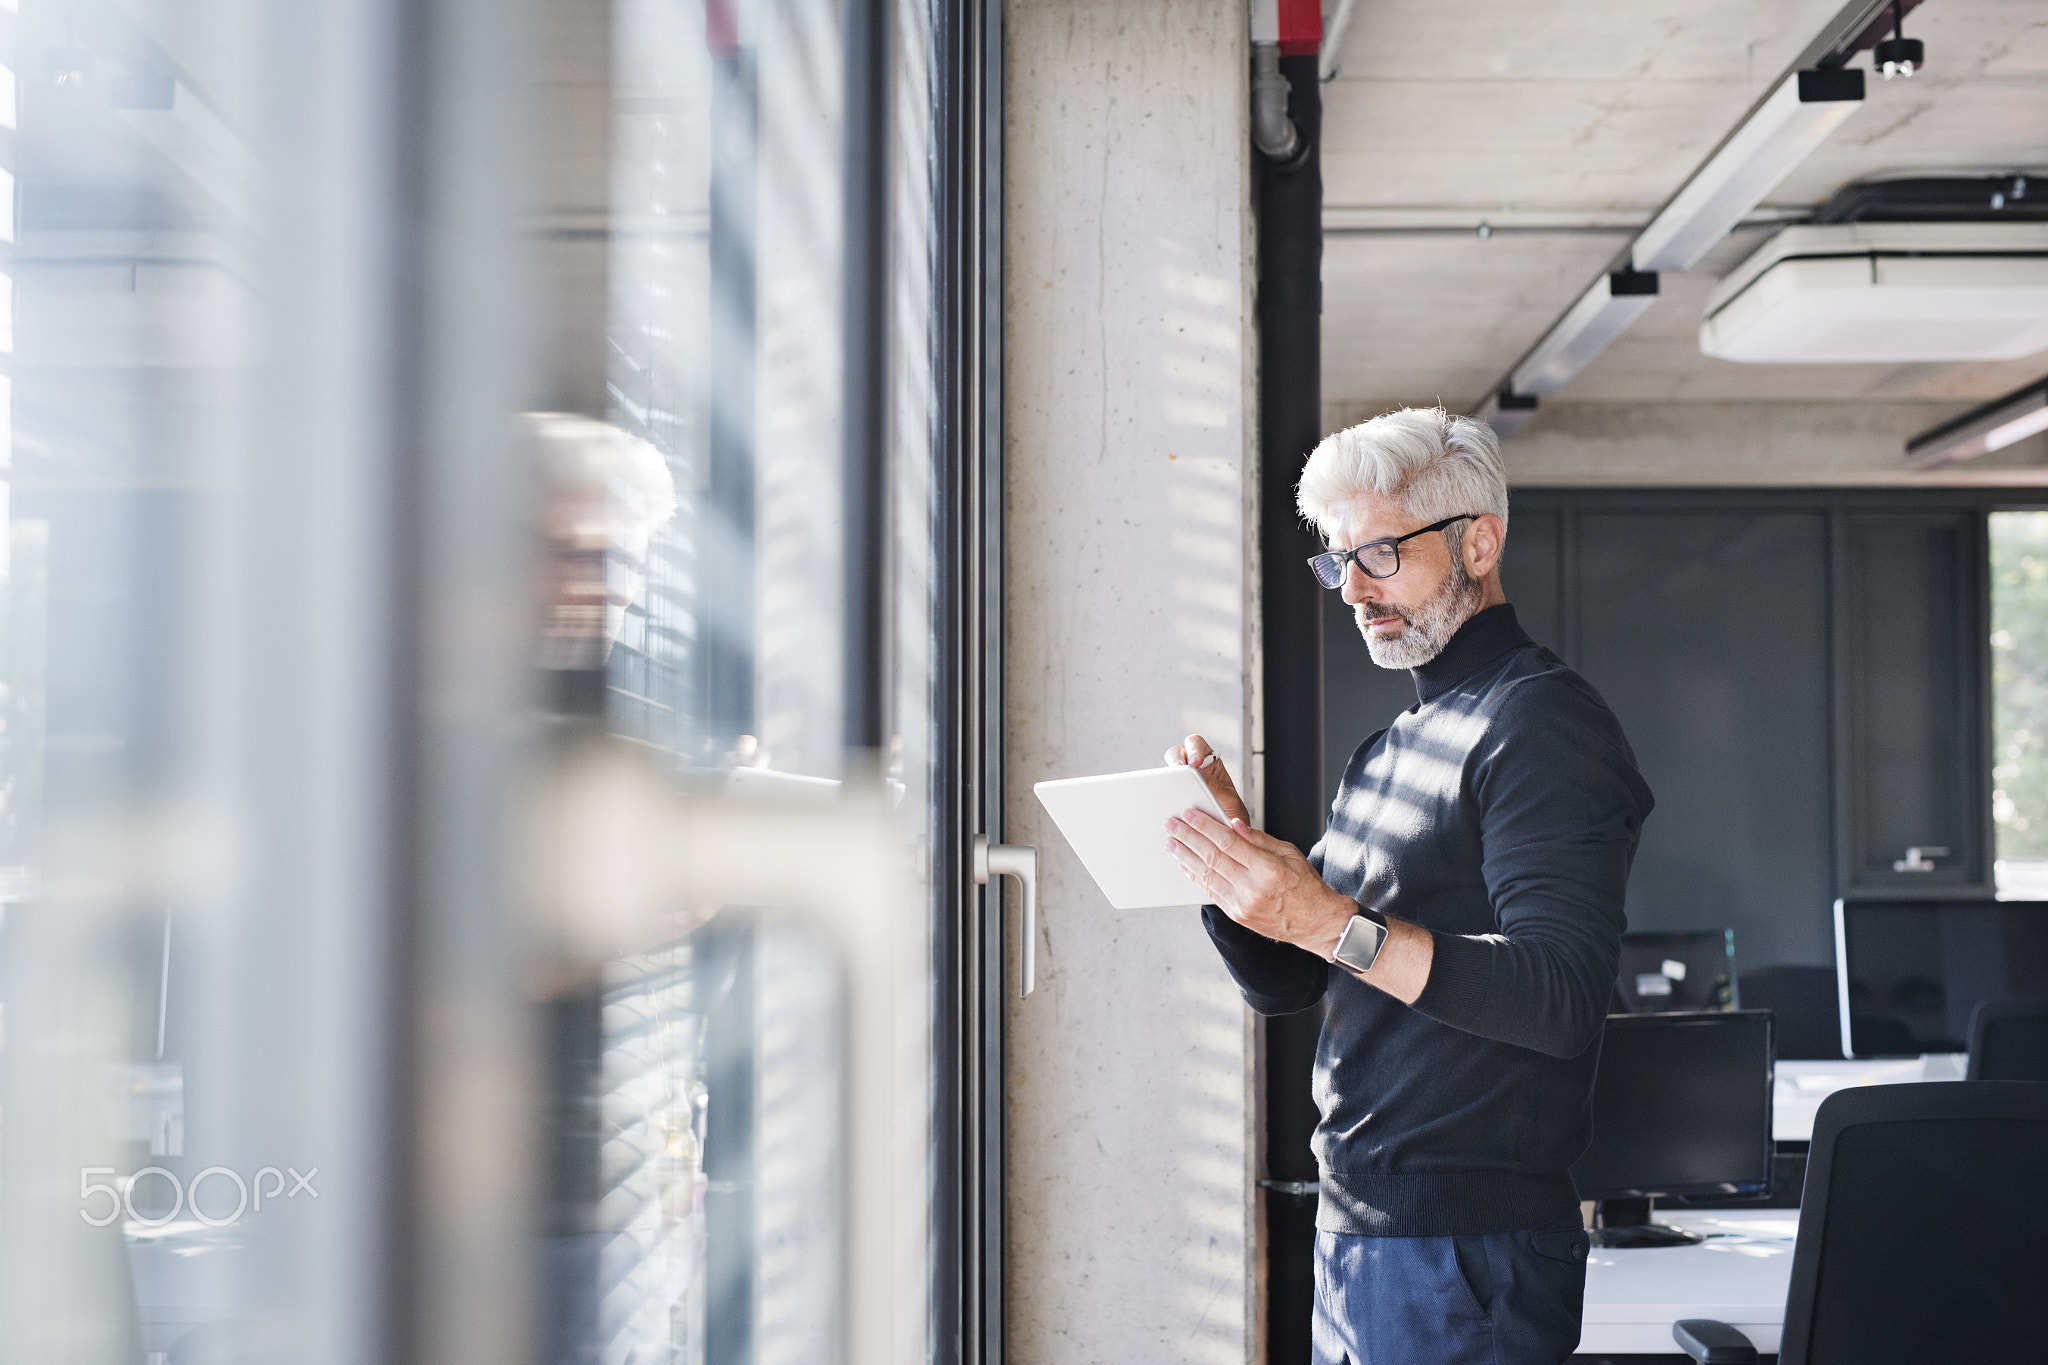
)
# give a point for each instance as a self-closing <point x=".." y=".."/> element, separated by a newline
<point x="1117" y="824"/>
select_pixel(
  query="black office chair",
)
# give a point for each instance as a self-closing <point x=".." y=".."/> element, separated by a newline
<point x="1808" y="1014"/>
<point x="2009" y="1039"/>
<point x="1923" y="1235"/>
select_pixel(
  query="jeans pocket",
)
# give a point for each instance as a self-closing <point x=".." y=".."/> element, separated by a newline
<point x="1468" y="1268"/>
<point x="1567" y="1244"/>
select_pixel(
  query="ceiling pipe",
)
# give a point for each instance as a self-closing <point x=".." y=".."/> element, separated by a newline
<point x="1272" y="131"/>
<point x="1288" y="198"/>
<point x="1327" y="60"/>
<point x="1280" y="28"/>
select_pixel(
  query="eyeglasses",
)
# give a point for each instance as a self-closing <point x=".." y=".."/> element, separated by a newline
<point x="1376" y="558"/>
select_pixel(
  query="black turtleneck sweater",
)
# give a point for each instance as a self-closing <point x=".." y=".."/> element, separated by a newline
<point x="1500" y="813"/>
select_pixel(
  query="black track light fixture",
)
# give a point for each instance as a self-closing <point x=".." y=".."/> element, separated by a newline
<point x="1899" y="55"/>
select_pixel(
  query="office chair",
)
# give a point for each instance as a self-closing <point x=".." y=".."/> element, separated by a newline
<point x="1808" y="1014"/>
<point x="1923" y="1235"/>
<point x="2009" y="1039"/>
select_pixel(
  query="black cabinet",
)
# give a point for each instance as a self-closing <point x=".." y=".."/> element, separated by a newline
<point x="1912" y="636"/>
<point x="1706" y="631"/>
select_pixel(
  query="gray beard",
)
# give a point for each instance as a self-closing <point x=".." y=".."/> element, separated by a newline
<point x="1431" y="625"/>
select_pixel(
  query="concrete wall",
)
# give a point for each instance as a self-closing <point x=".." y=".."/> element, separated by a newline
<point x="1130" y="436"/>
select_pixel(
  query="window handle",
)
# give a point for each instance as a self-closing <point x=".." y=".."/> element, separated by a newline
<point x="1919" y="858"/>
<point x="1019" y="861"/>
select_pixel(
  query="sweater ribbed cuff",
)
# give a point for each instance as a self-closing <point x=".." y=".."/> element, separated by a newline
<point x="1460" y="972"/>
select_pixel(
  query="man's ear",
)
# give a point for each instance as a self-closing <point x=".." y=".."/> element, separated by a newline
<point x="1482" y="545"/>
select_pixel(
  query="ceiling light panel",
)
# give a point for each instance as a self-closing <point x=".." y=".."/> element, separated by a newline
<point x="1602" y="313"/>
<point x="1779" y="133"/>
<point x="1994" y="426"/>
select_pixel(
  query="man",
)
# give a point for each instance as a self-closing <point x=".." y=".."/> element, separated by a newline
<point x="1460" y="921"/>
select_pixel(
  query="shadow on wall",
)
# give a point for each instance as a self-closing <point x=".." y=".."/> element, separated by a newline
<point x="1209" y="1263"/>
<point x="1201" y="388"/>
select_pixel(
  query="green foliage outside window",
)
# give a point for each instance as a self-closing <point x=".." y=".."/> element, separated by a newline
<point x="2019" y="682"/>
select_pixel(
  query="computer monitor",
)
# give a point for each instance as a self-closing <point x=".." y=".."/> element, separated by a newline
<point x="1910" y="972"/>
<point x="1664" y="973"/>
<point x="1681" y="1106"/>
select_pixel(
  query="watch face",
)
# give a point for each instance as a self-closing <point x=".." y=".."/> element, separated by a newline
<point x="1360" y="945"/>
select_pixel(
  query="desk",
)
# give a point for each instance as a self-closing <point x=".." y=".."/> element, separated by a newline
<point x="1738" y="1275"/>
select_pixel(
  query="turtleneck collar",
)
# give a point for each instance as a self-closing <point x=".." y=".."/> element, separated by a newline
<point x="1484" y="637"/>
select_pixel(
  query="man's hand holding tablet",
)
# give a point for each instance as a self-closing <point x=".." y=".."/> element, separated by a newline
<point x="1269" y="886"/>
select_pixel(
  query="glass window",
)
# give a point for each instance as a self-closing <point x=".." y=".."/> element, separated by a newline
<point x="694" y="455"/>
<point x="436" y="894"/>
<point x="2019" y="701"/>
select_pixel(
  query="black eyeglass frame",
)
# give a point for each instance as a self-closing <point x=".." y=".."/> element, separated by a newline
<point x="1335" y="560"/>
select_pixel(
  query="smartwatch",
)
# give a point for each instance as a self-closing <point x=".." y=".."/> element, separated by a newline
<point x="1358" y="947"/>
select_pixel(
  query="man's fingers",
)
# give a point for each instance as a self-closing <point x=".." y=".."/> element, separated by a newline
<point x="1209" y="827"/>
<point x="1214" y="775"/>
<point x="1262" y="841"/>
<point x="1211" y="882"/>
<point x="1176" y="757"/>
<point x="1205" y="832"/>
<point x="1190" y="862"/>
<point x="1203" y="849"/>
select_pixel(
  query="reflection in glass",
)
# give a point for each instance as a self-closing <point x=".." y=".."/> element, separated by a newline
<point x="299" y="1060"/>
<point x="696" y="1144"/>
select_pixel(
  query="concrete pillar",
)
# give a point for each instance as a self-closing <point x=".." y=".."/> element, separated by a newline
<point x="1131" y="534"/>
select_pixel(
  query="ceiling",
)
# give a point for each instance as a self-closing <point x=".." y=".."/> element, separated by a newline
<point x="1566" y="124"/>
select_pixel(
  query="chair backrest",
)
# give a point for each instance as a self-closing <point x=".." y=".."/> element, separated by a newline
<point x="1923" y="1233"/>
<point x="2009" y="1039"/>
<point x="1806" y="1005"/>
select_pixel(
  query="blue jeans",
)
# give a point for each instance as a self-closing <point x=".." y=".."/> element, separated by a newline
<point x="1505" y="1298"/>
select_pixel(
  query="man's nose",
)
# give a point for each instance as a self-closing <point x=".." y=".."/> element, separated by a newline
<point x="1356" y="584"/>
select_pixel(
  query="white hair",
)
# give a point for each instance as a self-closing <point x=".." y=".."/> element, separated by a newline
<point x="1432" y="464"/>
<point x="611" y="487"/>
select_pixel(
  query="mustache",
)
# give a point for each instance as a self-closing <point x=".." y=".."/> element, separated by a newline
<point x="1381" y="611"/>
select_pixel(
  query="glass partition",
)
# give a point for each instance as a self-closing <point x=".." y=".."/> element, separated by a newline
<point x="441" y="916"/>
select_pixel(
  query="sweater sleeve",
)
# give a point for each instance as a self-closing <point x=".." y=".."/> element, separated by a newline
<point x="1560" y="808"/>
<point x="1273" y="977"/>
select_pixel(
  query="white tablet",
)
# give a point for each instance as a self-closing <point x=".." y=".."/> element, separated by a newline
<point x="1118" y="826"/>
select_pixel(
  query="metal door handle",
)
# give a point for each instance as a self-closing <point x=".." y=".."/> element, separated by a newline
<point x="1019" y="861"/>
<point x="1918" y="859"/>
